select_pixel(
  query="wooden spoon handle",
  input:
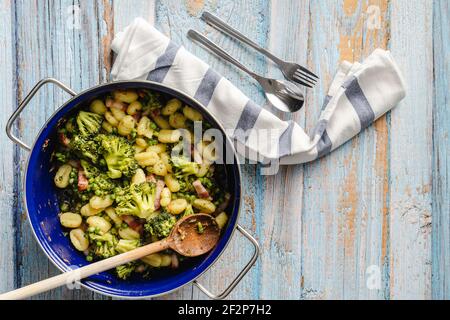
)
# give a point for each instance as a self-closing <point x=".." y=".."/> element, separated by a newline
<point x="86" y="271"/>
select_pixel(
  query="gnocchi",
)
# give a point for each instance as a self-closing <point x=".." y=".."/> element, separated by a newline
<point x="78" y="239"/>
<point x="147" y="158"/>
<point x="171" y="107"/>
<point x="99" y="223"/>
<point x="169" y="136"/>
<point x="126" y="125"/>
<point x="62" y="176"/>
<point x="97" y="106"/>
<point x="70" y="220"/>
<point x="144" y="128"/>
<point x="177" y="120"/>
<point x="119" y="114"/>
<point x="204" y="205"/>
<point x="161" y="122"/>
<point x="177" y="206"/>
<point x="111" y="119"/>
<point x="97" y="202"/>
<point x="192" y="114"/>
<point x="129" y="234"/>
<point x="88" y="211"/>
<point x="221" y="219"/>
<point x="139" y="177"/>
<point x="166" y="196"/>
<point x="127" y="96"/>
<point x="172" y="183"/>
<point x="134" y="108"/>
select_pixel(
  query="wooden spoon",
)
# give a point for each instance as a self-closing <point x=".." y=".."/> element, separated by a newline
<point x="185" y="239"/>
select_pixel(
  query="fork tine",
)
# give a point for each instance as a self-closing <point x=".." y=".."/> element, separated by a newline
<point x="304" y="75"/>
<point x="304" y="80"/>
<point x="308" y="72"/>
<point x="300" y="80"/>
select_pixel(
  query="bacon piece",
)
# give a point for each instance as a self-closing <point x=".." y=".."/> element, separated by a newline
<point x="109" y="102"/>
<point x="200" y="189"/>
<point x="155" y="112"/>
<point x="134" y="223"/>
<point x="82" y="181"/>
<point x="118" y="105"/>
<point x="75" y="164"/>
<point x="63" y="139"/>
<point x="159" y="187"/>
<point x="221" y="207"/>
<point x="174" y="263"/>
<point x="137" y="116"/>
<point x="151" y="178"/>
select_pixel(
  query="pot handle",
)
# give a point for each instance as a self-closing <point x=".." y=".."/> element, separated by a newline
<point x="241" y="274"/>
<point x="25" y="102"/>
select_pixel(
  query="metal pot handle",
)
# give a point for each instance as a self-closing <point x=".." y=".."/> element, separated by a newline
<point x="241" y="274"/>
<point x="25" y="102"/>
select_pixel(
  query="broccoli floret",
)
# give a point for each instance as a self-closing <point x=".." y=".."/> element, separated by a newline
<point x="99" y="183"/>
<point x="200" y="228"/>
<point x="85" y="148"/>
<point x="136" y="200"/>
<point x="103" y="245"/>
<point x="151" y="101"/>
<point x="188" y="211"/>
<point x="89" y="123"/>
<point x="118" y="154"/>
<point x="185" y="166"/>
<point x="161" y="225"/>
<point x="89" y="170"/>
<point x="127" y="245"/>
<point x="125" y="270"/>
<point x="62" y="156"/>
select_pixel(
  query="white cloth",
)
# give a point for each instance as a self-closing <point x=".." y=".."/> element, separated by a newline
<point x="359" y="94"/>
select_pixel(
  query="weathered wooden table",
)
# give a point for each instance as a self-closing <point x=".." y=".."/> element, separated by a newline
<point x="371" y="220"/>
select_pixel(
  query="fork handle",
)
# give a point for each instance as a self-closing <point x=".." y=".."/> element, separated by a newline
<point x="219" y="51"/>
<point x="225" y="27"/>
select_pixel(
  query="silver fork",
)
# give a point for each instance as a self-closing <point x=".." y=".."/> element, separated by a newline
<point x="292" y="71"/>
<point x="283" y="95"/>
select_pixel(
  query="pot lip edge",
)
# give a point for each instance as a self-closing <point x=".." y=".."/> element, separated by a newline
<point x="237" y="165"/>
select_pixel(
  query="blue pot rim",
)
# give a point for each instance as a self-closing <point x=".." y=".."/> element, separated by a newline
<point x="58" y="262"/>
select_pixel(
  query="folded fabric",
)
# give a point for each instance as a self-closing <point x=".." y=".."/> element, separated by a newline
<point x="359" y="94"/>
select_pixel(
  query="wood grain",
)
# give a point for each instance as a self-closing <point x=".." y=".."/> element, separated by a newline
<point x="325" y="228"/>
<point x="7" y="199"/>
<point x="50" y="42"/>
<point x="411" y="153"/>
<point x="441" y="153"/>
<point x="280" y="212"/>
<point x="344" y="214"/>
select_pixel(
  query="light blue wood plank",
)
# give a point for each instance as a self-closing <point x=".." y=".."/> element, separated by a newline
<point x="344" y="217"/>
<point x="48" y="44"/>
<point x="175" y="19"/>
<point x="281" y="209"/>
<point x="411" y="153"/>
<point x="441" y="152"/>
<point x="7" y="199"/>
<point x="125" y="12"/>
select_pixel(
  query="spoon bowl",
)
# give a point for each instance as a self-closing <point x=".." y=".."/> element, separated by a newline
<point x="283" y="95"/>
<point x="194" y="235"/>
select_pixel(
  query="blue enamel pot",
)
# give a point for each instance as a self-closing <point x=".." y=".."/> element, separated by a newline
<point x="42" y="205"/>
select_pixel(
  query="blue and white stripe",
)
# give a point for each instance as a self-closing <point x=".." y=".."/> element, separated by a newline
<point x="358" y="95"/>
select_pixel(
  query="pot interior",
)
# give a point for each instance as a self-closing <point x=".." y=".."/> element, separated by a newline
<point x="42" y="206"/>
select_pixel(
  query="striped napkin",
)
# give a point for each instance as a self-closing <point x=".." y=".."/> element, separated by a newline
<point x="359" y="94"/>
